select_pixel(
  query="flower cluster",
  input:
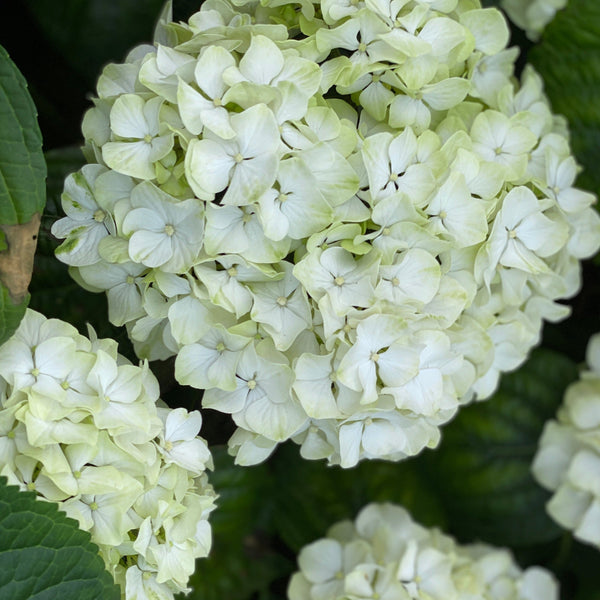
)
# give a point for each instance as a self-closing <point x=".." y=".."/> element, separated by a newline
<point x="568" y="458"/>
<point x="80" y="426"/>
<point x="385" y="555"/>
<point x="345" y="218"/>
<point x="532" y="15"/>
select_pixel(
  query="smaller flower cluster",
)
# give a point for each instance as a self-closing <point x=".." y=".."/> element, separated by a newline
<point x="80" y="426"/>
<point x="385" y="555"/>
<point x="532" y="15"/>
<point x="568" y="457"/>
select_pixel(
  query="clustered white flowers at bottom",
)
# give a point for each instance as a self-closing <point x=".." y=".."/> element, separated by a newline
<point x="568" y="458"/>
<point x="80" y="426"/>
<point x="346" y="220"/>
<point x="385" y="555"/>
<point x="532" y="15"/>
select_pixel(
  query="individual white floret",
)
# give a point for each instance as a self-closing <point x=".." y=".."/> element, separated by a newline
<point x="244" y="166"/>
<point x="88" y="220"/>
<point x="133" y="119"/>
<point x="163" y="232"/>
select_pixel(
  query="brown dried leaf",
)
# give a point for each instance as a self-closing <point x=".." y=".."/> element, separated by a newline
<point x="16" y="262"/>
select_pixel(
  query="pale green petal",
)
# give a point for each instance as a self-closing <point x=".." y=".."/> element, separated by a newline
<point x="130" y="158"/>
<point x="207" y="167"/>
<point x="127" y="117"/>
<point x="262" y="61"/>
<point x="489" y="28"/>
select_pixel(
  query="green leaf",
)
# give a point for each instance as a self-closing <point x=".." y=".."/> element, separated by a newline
<point x="22" y="166"/>
<point x="22" y="193"/>
<point x="10" y="313"/>
<point x="481" y="470"/>
<point x="568" y="58"/>
<point x="44" y="555"/>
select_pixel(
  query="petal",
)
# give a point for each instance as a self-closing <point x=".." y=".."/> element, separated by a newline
<point x="207" y="167"/>
<point x="262" y="61"/>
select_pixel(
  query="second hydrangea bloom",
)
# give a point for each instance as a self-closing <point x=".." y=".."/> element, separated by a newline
<point x="345" y="219"/>
<point x="80" y="426"/>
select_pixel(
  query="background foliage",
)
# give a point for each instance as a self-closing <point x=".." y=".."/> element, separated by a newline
<point x="477" y="485"/>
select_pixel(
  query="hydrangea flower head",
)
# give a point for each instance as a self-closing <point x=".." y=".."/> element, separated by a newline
<point x="345" y="219"/>
<point x="385" y="555"/>
<point x="568" y="458"/>
<point x="80" y="426"/>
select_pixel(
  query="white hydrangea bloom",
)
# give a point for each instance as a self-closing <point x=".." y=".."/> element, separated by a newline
<point x="82" y="428"/>
<point x="345" y="219"/>
<point x="568" y="458"/>
<point x="385" y="554"/>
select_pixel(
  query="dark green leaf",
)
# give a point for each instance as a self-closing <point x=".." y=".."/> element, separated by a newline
<point x="22" y="166"/>
<point x="22" y="193"/>
<point x="482" y="468"/>
<point x="44" y="555"/>
<point x="10" y="313"/>
<point x="568" y="58"/>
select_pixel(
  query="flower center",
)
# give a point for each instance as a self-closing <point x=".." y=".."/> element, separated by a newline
<point x="374" y="357"/>
<point x="238" y="158"/>
<point x="31" y="486"/>
<point x="362" y="47"/>
<point x="443" y="214"/>
<point x="232" y="272"/>
<point x="282" y="300"/>
<point x="339" y="281"/>
<point x="512" y="234"/>
<point x="99" y="216"/>
<point x="251" y="384"/>
<point x="169" y="230"/>
<point x="35" y="372"/>
<point x="147" y="138"/>
<point x="65" y="385"/>
<point x="217" y="102"/>
<point x="395" y="282"/>
<point x="282" y="198"/>
<point x="220" y="347"/>
<point x="94" y="506"/>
